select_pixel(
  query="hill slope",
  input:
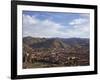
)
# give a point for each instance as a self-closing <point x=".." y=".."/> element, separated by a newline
<point x="55" y="42"/>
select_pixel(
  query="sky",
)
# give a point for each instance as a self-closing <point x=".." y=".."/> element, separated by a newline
<point x="55" y="24"/>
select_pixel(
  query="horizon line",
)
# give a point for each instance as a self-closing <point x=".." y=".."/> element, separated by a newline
<point x="54" y="37"/>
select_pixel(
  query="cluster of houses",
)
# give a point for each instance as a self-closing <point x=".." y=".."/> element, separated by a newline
<point x="59" y="56"/>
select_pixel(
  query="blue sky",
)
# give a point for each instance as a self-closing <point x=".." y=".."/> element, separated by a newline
<point x="56" y="24"/>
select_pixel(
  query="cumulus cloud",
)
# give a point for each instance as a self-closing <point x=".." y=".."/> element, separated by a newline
<point x="78" y="21"/>
<point x="35" y="27"/>
<point x="40" y="28"/>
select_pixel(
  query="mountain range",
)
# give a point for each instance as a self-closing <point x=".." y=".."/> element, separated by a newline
<point x="55" y="42"/>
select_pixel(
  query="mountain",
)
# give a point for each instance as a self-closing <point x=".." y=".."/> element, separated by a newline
<point x="30" y="40"/>
<point x="56" y="42"/>
<point x="73" y="41"/>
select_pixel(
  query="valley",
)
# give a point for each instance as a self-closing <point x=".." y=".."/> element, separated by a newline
<point x="55" y="52"/>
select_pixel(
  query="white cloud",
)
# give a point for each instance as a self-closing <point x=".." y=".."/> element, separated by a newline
<point x="81" y="26"/>
<point x="40" y="28"/>
<point x="78" y="21"/>
<point x="47" y="28"/>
